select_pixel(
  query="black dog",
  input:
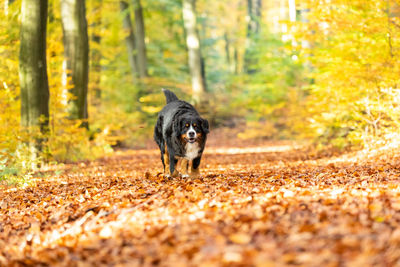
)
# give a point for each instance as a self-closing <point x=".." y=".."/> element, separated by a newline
<point x="181" y="134"/>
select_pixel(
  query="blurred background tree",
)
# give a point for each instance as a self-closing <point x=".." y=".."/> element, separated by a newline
<point x="76" y="53"/>
<point x="324" y="70"/>
<point x="195" y="59"/>
<point x="33" y="74"/>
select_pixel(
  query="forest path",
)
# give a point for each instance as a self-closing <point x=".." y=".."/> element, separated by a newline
<point x="259" y="204"/>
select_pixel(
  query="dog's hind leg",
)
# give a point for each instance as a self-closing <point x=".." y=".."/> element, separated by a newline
<point x="173" y="161"/>
<point x="162" y="160"/>
<point x="158" y="137"/>
<point x="178" y="164"/>
<point x="165" y="160"/>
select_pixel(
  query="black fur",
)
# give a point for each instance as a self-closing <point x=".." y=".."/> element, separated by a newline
<point x="171" y="127"/>
<point x="169" y="96"/>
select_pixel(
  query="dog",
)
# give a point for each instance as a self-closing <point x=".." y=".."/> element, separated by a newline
<point x="181" y="135"/>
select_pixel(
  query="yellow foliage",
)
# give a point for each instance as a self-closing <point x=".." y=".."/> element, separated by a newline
<point x="353" y="48"/>
<point x="10" y="134"/>
<point x="72" y="143"/>
<point x="151" y="110"/>
<point x="65" y="141"/>
<point x="149" y="98"/>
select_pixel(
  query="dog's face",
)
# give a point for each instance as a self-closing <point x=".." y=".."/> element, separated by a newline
<point x="193" y="129"/>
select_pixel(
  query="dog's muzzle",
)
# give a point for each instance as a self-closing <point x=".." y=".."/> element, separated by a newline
<point x="191" y="135"/>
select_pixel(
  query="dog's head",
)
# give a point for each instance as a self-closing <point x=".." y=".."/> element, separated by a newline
<point x="193" y="129"/>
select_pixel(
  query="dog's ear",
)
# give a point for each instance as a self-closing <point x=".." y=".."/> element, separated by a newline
<point x="204" y="126"/>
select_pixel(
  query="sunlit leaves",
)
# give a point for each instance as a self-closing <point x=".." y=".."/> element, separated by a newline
<point x="256" y="204"/>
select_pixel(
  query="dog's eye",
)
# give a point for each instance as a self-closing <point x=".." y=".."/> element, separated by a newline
<point x="187" y="125"/>
<point x="194" y="124"/>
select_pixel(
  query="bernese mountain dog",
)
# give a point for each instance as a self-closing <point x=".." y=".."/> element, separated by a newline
<point x="181" y="135"/>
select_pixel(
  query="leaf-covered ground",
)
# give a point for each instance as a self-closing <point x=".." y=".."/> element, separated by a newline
<point x="257" y="204"/>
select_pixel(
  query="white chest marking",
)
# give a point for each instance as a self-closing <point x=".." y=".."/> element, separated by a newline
<point x="192" y="151"/>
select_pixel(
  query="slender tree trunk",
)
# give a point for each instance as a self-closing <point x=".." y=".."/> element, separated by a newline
<point x="253" y="29"/>
<point x="194" y="52"/>
<point x="140" y="39"/>
<point x="33" y="67"/>
<point x="130" y="39"/>
<point x="95" y="52"/>
<point x="292" y="10"/>
<point x="389" y="32"/>
<point x="292" y="18"/>
<point x="76" y="50"/>
<point x="254" y="13"/>
<point x="236" y="58"/>
<point x="7" y="3"/>
<point x="228" y="56"/>
<point x="227" y="49"/>
<point x="51" y="16"/>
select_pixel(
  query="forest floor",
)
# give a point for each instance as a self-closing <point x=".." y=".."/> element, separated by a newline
<point x="256" y="204"/>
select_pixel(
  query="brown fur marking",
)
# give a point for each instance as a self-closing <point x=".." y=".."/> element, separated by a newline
<point x="166" y="162"/>
<point x="184" y="166"/>
<point x="194" y="173"/>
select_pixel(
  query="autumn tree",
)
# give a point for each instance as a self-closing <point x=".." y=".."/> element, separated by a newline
<point x="253" y="29"/>
<point x="33" y="66"/>
<point x="130" y="39"/>
<point x="292" y="10"/>
<point x="76" y="50"/>
<point x="194" y="51"/>
<point x="7" y="3"/>
<point x="354" y="69"/>
<point x="140" y="38"/>
<point x="95" y="49"/>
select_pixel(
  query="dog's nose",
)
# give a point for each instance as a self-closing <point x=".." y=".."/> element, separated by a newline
<point x="191" y="134"/>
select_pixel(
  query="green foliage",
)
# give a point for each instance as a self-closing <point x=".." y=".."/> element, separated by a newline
<point x="264" y="91"/>
<point x="16" y="167"/>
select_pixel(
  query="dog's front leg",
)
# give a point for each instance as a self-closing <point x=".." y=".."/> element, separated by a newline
<point x="184" y="167"/>
<point x="195" y="170"/>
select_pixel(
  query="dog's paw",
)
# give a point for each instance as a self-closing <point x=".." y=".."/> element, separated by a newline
<point x="176" y="174"/>
<point x="195" y="175"/>
<point x="185" y="175"/>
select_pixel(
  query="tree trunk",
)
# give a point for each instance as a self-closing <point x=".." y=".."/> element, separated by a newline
<point x="292" y="10"/>
<point x="76" y="50"/>
<point x="129" y="39"/>
<point x="51" y="12"/>
<point x="7" y="3"/>
<point x="194" y="52"/>
<point x="228" y="57"/>
<point x="253" y="29"/>
<point x="292" y="18"/>
<point x="140" y="39"/>
<point x="33" y="66"/>
<point x="95" y="53"/>
<point x="236" y="58"/>
<point x="254" y="13"/>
